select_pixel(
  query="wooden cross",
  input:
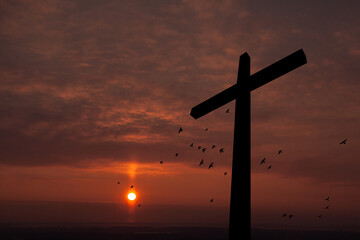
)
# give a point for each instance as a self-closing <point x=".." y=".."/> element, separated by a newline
<point x="240" y="211"/>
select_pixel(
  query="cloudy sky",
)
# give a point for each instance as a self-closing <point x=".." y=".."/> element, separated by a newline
<point x="93" y="92"/>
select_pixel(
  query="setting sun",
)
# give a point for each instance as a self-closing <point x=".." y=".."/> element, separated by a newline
<point x="131" y="196"/>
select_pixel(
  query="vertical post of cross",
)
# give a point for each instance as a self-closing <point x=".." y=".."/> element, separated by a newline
<point x="240" y="200"/>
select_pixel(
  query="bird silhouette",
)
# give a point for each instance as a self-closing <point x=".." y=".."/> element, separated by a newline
<point x="180" y="130"/>
<point x="327" y="208"/>
<point x="118" y="182"/>
<point x="132" y="186"/>
<point x="227" y="110"/>
<point x="202" y="162"/>
<point x="269" y="167"/>
<point x="328" y="198"/>
<point x="262" y="161"/>
<point x="211" y="200"/>
<point x="344" y="142"/>
<point x="199" y="147"/>
<point x="280" y="151"/>
<point x="213" y="146"/>
<point x="290" y="216"/>
<point x="319" y="216"/>
<point x="161" y="162"/>
<point x="192" y="145"/>
<point x="225" y="173"/>
<point x="203" y="150"/>
<point x="176" y="154"/>
<point x="221" y="150"/>
<point x="139" y="205"/>
<point x="284" y="215"/>
<point x="211" y="165"/>
<point x="206" y="129"/>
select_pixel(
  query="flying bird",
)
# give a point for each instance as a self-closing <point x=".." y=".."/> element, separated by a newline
<point x="192" y="145"/>
<point x="206" y="129"/>
<point x="290" y="216"/>
<point x="213" y="146"/>
<point x="284" y="215"/>
<point x="199" y="147"/>
<point x="132" y="186"/>
<point x="262" y="161"/>
<point x="139" y="205"/>
<point x="202" y="162"/>
<point x="227" y="110"/>
<point x="118" y="182"/>
<point x="176" y="154"/>
<point x="344" y="142"/>
<point x="211" y="165"/>
<point x="320" y="216"/>
<point x="328" y="198"/>
<point x="203" y="150"/>
<point x="161" y="162"/>
<point x="269" y="167"/>
<point x="180" y="130"/>
<point x="327" y="207"/>
<point x="221" y="150"/>
<point x="211" y="200"/>
<point x="280" y="151"/>
<point x="225" y="173"/>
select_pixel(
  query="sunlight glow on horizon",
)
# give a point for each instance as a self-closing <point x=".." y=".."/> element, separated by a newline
<point x="131" y="196"/>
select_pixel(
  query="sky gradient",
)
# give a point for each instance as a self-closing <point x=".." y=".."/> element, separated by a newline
<point x="93" y="92"/>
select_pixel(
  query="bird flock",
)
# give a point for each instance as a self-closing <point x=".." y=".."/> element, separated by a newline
<point x="262" y="162"/>
<point x="221" y="150"/>
<point x="204" y="149"/>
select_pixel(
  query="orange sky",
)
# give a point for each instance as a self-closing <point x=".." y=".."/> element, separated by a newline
<point x="93" y="93"/>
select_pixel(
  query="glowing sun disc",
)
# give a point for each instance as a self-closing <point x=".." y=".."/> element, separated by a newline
<point x="131" y="196"/>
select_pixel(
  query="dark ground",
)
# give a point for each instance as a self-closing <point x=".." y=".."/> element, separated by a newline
<point x="8" y="232"/>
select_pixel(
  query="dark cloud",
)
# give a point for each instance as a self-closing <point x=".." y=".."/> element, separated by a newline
<point x="88" y="80"/>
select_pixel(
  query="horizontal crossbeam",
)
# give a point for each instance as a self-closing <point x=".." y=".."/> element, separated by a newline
<point x="256" y="80"/>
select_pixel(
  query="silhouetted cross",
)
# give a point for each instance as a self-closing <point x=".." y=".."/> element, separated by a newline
<point x="240" y="212"/>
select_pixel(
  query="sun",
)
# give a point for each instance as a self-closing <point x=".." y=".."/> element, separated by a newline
<point x="131" y="196"/>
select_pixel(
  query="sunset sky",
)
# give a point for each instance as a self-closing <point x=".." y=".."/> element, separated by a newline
<point x="94" y="92"/>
